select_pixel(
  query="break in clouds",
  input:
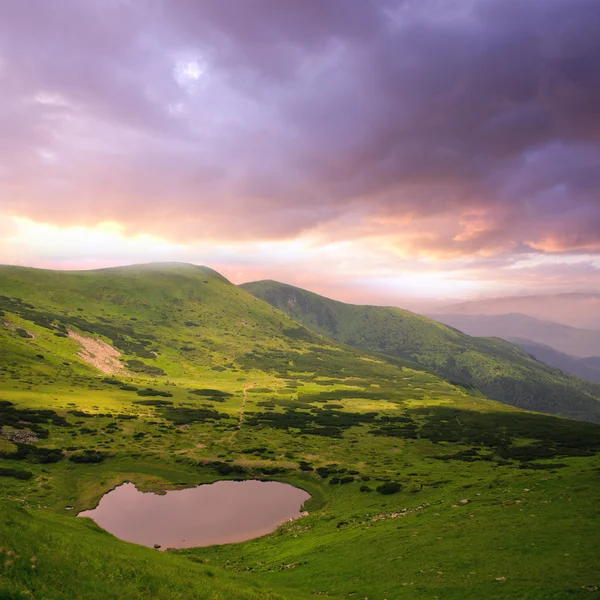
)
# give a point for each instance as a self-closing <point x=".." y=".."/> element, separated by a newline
<point x="448" y="129"/>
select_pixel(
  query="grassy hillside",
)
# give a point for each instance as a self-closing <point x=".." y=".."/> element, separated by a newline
<point x="497" y="368"/>
<point x="56" y="557"/>
<point x="420" y="488"/>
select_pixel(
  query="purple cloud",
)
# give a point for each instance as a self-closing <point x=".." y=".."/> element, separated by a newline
<point x="263" y="119"/>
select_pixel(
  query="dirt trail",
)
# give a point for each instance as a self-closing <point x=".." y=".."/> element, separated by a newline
<point x="99" y="354"/>
<point x="242" y="408"/>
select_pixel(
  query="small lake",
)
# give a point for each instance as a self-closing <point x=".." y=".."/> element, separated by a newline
<point x="223" y="512"/>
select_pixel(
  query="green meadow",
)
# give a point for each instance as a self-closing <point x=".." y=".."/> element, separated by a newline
<point x="421" y="485"/>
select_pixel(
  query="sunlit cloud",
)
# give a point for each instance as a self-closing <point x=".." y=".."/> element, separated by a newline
<point x="356" y="271"/>
<point x="362" y="149"/>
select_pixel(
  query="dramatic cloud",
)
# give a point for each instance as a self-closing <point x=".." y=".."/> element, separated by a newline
<point x="458" y="131"/>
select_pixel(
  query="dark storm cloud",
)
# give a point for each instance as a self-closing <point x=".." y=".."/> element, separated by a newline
<point x="267" y="118"/>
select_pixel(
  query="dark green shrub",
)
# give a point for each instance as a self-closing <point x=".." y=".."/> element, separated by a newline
<point x="210" y="392"/>
<point x="324" y="472"/>
<point x="151" y="392"/>
<point x="43" y="456"/>
<point x="88" y="457"/>
<point x="16" y="473"/>
<point x="390" y="487"/>
<point x="137" y="366"/>
<point x="271" y="470"/>
<point x="181" y="416"/>
<point x="154" y="402"/>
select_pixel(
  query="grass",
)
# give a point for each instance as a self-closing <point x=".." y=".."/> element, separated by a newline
<point x="498" y="369"/>
<point x="56" y="557"/>
<point x="319" y="415"/>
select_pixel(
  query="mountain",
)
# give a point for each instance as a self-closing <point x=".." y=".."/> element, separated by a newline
<point x="563" y="338"/>
<point x="161" y="320"/>
<point x="498" y="369"/>
<point x="587" y="368"/>
<point x="170" y="377"/>
<point x="576" y="309"/>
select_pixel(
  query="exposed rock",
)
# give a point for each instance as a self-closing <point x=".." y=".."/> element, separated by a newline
<point x="21" y="436"/>
<point x="99" y="354"/>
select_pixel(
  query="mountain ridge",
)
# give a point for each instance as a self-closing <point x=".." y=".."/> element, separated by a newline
<point x="577" y="342"/>
<point x="577" y="309"/>
<point x="511" y="375"/>
<point x="217" y="384"/>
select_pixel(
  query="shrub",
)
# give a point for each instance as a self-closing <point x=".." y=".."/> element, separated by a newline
<point x="224" y="468"/>
<point x="390" y="487"/>
<point x="88" y="456"/>
<point x="154" y="402"/>
<point x="271" y="470"/>
<point x="137" y="366"/>
<point x="181" y="416"/>
<point x="43" y="456"/>
<point x="151" y="392"/>
<point x="210" y="392"/>
<point x="324" y="472"/>
<point x="16" y="473"/>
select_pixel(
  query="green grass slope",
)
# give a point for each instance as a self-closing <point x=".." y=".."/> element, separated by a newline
<point x="497" y="368"/>
<point x="212" y="383"/>
<point x="55" y="557"/>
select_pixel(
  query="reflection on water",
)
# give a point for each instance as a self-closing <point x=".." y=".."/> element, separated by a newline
<point x="220" y="513"/>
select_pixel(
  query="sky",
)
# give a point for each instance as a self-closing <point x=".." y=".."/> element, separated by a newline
<point x="386" y="151"/>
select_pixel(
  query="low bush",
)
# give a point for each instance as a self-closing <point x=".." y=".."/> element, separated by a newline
<point x="210" y="392"/>
<point x="137" y="366"/>
<point x="390" y="487"/>
<point x="16" y="473"/>
<point x="151" y="392"/>
<point x="88" y="457"/>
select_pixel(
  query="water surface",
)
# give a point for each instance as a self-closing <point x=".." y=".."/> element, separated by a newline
<point x="218" y="513"/>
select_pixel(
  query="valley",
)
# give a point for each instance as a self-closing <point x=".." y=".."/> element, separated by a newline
<point x="168" y="376"/>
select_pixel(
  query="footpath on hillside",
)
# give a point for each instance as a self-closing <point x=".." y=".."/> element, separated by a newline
<point x="242" y="408"/>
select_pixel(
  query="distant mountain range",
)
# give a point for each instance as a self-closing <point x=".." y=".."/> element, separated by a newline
<point x="575" y="309"/>
<point x="500" y="370"/>
<point x="588" y="368"/>
<point x="574" y="341"/>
